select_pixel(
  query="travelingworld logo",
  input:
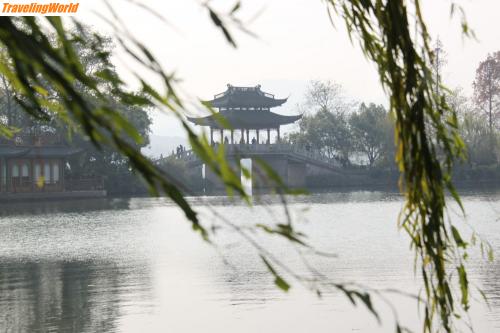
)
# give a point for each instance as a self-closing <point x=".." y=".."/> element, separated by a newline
<point x="18" y="8"/>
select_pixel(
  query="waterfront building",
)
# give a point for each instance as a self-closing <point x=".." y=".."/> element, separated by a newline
<point x="35" y="164"/>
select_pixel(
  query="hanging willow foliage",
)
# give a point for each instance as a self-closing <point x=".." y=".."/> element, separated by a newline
<point x="427" y="142"/>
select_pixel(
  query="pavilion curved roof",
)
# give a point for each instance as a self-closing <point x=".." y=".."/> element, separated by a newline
<point x="245" y="97"/>
<point x="245" y="119"/>
<point x="37" y="152"/>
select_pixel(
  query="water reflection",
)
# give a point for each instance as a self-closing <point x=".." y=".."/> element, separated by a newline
<point x="491" y="287"/>
<point x="134" y="265"/>
<point x="68" y="296"/>
<point x="66" y="206"/>
<point x="318" y="197"/>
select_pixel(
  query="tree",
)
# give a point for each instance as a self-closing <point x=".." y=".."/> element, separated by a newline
<point x="388" y="155"/>
<point x="325" y="125"/>
<point x="392" y="34"/>
<point x="481" y="150"/>
<point x="368" y="128"/>
<point x="106" y="161"/>
<point x="326" y="132"/>
<point x="487" y="87"/>
<point x="325" y="96"/>
<point x="438" y="64"/>
<point x="93" y="161"/>
<point x="461" y="104"/>
<point x="481" y="143"/>
<point x="337" y="135"/>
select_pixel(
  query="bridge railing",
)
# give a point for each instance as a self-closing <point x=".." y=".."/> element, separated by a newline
<point x="190" y="156"/>
<point x="280" y="148"/>
<point x="187" y="155"/>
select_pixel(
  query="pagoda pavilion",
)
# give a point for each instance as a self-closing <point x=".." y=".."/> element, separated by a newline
<point x="245" y="109"/>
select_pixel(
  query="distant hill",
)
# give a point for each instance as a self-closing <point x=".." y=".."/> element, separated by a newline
<point x="163" y="145"/>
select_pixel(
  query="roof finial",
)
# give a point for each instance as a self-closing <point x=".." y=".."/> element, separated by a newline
<point x="258" y="86"/>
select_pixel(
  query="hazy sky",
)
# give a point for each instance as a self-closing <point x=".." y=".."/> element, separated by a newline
<point x="296" y="43"/>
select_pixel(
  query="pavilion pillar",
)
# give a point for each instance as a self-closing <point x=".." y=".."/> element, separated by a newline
<point x="268" y="136"/>
<point x="3" y="174"/>
<point x="61" y="173"/>
<point x="279" y="134"/>
<point x="211" y="136"/>
<point x="248" y="136"/>
<point x="32" y="175"/>
<point x="232" y="137"/>
<point x="222" y="135"/>
<point x="8" y="184"/>
<point x="242" y="140"/>
<point x="257" y="136"/>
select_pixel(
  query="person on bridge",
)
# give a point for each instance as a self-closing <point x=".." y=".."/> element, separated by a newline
<point x="226" y="140"/>
<point x="254" y="141"/>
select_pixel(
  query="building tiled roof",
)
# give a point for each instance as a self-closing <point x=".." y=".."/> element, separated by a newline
<point x="245" y="108"/>
<point x="245" y="97"/>
<point x="35" y="151"/>
<point x="247" y="119"/>
<point x="12" y="151"/>
<point x="53" y="151"/>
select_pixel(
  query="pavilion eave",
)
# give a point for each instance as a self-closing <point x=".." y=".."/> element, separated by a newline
<point x="245" y="120"/>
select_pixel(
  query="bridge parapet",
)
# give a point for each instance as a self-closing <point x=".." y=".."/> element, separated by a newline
<point x="249" y="150"/>
<point x="292" y="163"/>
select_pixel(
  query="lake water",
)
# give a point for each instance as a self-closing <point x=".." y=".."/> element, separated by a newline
<point x="135" y="265"/>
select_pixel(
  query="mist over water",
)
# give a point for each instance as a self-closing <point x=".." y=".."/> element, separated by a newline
<point x="135" y="265"/>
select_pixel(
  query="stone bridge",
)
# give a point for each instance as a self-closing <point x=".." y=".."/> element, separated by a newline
<point x="292" y="163"/>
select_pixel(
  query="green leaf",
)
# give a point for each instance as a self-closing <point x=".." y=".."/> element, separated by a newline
<point x="218" y="22"/>
<point x="491" y="254"/>
<point x="236" y="7"/>
<point x="458" y="238"/>
<point x="278" y="280"/>
<point x="464" y="286"/>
